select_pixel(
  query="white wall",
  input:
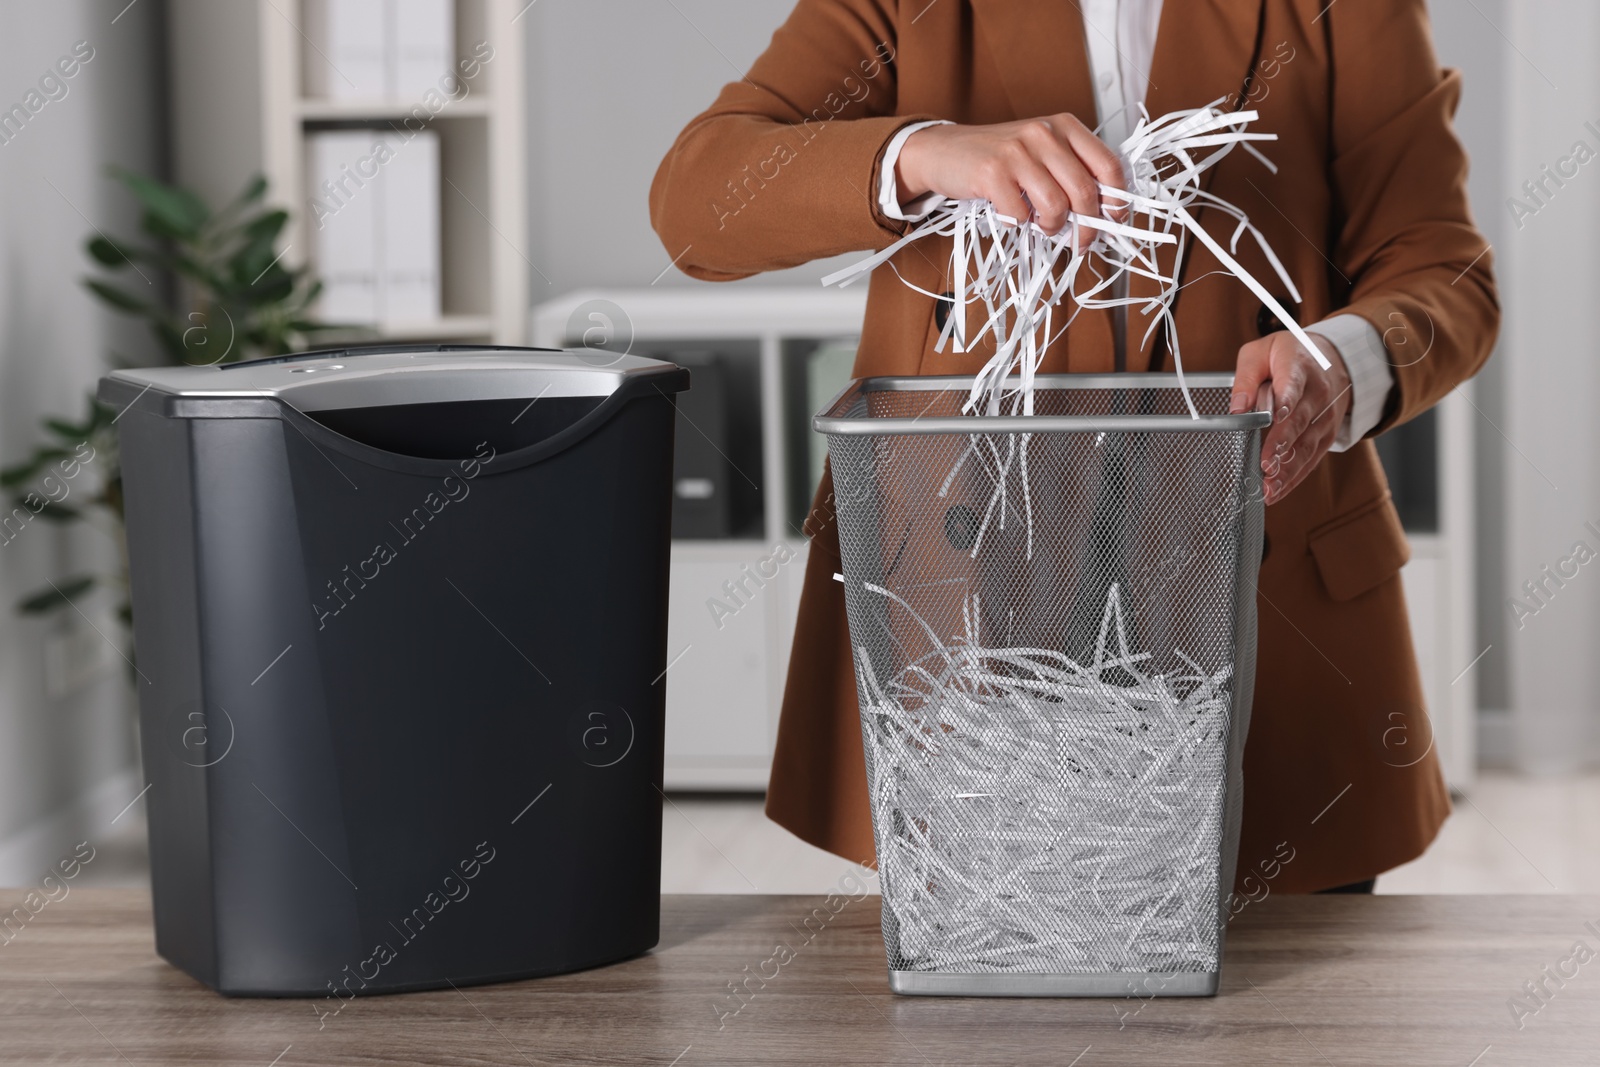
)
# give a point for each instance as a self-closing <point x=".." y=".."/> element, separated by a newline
<point x="1551" y="280"/>
<point x="63" y="762"/>
<point x="610" y="85"/>
<point x="1467" y="38"/>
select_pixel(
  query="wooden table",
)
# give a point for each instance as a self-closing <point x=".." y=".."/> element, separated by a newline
<point x="1308" y="980"/>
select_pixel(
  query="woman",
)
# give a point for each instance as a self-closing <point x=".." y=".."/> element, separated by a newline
<point x="828" y="146"/>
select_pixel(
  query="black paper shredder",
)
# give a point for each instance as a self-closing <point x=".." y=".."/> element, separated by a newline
<point x="400" y="620"/>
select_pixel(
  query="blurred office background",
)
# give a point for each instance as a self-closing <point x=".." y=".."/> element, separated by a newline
<point x="531" y="169"/>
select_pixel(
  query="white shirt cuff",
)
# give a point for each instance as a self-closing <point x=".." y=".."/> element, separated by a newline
<point x="1367" y="362"/>
<point x="889" y="193"/>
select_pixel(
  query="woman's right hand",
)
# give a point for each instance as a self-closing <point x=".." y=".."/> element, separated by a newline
<point x="1052" y="164"/>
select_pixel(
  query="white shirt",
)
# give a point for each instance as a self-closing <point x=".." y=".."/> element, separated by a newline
<point x="1121" y="39"/>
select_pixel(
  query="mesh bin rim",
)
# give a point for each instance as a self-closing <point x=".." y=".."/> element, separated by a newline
<point x="834" y="418"/>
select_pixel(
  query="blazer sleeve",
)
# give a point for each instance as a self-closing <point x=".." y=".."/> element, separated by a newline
<point x="783" y="168"/>
<point x="1419" y="269"/>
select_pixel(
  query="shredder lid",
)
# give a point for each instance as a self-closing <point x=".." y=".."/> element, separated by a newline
<point x="393" y="375"/>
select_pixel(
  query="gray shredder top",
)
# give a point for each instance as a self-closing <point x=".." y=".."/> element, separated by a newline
<point x="386" y="376"/>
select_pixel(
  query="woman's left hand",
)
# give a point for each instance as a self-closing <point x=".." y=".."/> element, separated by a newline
<point x="1309" y="405"/>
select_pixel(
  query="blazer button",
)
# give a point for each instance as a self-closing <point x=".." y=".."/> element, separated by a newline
<point x="941" y="309"/>
<point x="1268" y="322"/>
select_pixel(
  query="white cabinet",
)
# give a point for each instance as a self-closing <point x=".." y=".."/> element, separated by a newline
<point x="250" y="86"/>
<point x="731" y="611"/>
<point x="1430" y="467"/>
<point x="719" y="697"/>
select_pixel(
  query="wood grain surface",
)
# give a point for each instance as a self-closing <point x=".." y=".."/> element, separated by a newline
<point x="1307" y="980"/>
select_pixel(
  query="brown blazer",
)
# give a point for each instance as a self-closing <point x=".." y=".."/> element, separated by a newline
<point x="1369" y="213"/>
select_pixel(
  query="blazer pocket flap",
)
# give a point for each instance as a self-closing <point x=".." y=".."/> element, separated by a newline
<point x="1360" y="550"/>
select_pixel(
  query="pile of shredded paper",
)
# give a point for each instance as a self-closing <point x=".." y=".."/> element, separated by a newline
<point x="1038" y="814"/>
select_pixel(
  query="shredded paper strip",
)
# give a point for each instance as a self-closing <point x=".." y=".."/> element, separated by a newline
<point x="1013" y="268"/>
<point x="1048" y="815"/>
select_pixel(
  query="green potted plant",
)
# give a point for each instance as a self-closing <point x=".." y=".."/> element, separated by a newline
<point x="234" y="299"/>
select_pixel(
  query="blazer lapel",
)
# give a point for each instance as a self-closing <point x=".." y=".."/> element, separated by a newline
<point x="1039" y="49"/>
<point x="1204" y="50"/>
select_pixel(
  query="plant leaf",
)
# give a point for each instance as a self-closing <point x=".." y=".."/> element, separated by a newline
<point x="12" y="477"/>
<point x="107" y="252"/>
<point x="253" y="190"/>
<point x="57" y="596"/>
<point x="63" y="428"/>
<point x="100" y="414"/>
<point x="60" y="513"/>
<point x="170" y="210"/>
<point x="266" y="226"/>
<point x="16" y="475"/>
<point x="116" y="297"/>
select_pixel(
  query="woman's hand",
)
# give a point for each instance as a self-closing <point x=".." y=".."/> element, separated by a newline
<point x="1309" y="405"/>
<point x="1049" y="164"/>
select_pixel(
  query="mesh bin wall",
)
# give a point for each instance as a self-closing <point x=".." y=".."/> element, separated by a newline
<point x="1078" y="838"/>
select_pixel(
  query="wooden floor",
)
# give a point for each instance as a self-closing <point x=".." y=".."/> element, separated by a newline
<point x="1412" y="980"/>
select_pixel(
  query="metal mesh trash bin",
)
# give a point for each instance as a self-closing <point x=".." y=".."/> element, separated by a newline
<point x="400" y="617"/>
<point x="1053" y="624"/>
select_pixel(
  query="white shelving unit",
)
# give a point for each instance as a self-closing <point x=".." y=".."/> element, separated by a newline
<point x="238" y="77"/>
<point x="725" y="693"/>
<point x="725" y="689"/>
<point x="1439" y="587"/>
